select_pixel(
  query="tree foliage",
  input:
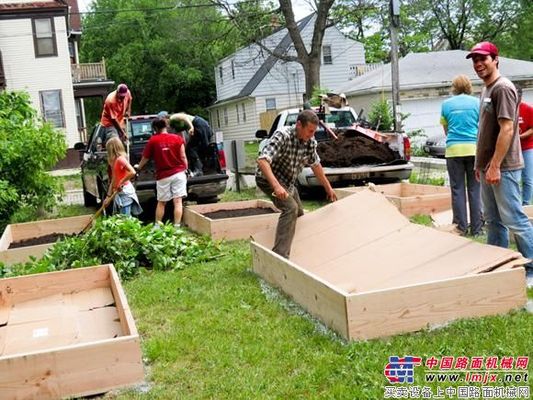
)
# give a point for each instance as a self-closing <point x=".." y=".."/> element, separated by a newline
<point x="29" y="148"/>
<point x="428" y="25"/>
<point x="164" y="50"/>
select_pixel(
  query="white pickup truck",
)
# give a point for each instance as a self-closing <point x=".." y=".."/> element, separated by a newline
<point x="358" y="154"/>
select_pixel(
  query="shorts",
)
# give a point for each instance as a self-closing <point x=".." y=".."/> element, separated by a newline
<point x="172" y="187"/>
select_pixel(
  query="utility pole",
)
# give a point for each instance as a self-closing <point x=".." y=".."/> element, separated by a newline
<point x="395" y="71"/>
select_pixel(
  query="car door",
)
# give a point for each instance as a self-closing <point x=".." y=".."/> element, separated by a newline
<point x="94" y="164"/>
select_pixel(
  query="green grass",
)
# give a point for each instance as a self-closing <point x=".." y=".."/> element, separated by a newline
<point x="70" y="182"/>
<point x="215" y="331"/>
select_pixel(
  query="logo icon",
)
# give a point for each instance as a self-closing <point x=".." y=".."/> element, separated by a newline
<point x="401" y="369"/>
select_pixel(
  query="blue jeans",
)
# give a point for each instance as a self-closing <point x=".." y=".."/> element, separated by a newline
<point x="503" y="212"/>
<point x="462" y="179"/>
<point x="527" y="177"/>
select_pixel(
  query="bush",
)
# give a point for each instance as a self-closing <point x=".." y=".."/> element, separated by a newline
<point x="127" y="244"/>
<point x="380" y="115"/>
<point x="28" y="149"/>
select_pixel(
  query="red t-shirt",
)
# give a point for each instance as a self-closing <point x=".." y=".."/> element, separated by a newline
<point x="119" y="171"/>
<point x="525" y="121"/>
<point x="165" y="148"/>
<point x="114" y="109"/>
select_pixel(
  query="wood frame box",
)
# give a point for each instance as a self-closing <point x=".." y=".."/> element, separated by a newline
<point x="67" y="333"/>
<point x="409" y="198"/>
<point x="365" y="271"/>
<point x="230" y="228"/>
<point x="29" y="230"/>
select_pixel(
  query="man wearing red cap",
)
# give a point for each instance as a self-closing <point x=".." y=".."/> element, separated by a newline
<point x="116" y="106"/>
<point x="499" y="159"/>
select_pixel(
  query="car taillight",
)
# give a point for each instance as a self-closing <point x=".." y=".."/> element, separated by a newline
<point x="221" y="156"/>
<point x="407" y="148"/>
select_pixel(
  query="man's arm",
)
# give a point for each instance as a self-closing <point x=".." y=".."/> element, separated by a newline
<point x="319" y="173"/>
<point x="183" y="156"/>
<point x="505" y="137"/>
<point x="527" y="133"/>
<point x="143" y="162"/>
<point x="278" y="190"/>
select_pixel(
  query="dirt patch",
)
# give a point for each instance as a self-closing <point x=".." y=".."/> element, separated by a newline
<point x="51" y="238"/>
<point x="353" y="151"/>
<point x="241" y="212"/>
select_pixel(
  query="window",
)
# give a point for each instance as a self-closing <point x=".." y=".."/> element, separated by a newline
<point x="270" y="104"/>
<point x="237" y="110"/>
<point x="52" y="107"/>
<point x="243" y="113"/>
<point x="44" y="38"/>
<point x="221" y="74"/>
<point x="326" y="55"/>
<point x="225" y="116"/>
<point x="232" y="69"/>
<point x="218" y="118"/>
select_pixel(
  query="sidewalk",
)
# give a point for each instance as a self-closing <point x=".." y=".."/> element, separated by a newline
<point x="65" y="172"/>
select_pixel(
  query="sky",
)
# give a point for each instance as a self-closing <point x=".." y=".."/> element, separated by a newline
<point x="301" y="7"/>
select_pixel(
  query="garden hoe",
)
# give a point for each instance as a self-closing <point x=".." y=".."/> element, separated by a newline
<point x="100" y="211"/>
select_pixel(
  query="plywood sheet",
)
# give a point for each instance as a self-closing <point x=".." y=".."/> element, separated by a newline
<point x="363" y="243"/>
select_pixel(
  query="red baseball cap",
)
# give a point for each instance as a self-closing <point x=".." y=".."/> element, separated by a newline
<point x="483" y="48"/>
<point x="122" y="90"/>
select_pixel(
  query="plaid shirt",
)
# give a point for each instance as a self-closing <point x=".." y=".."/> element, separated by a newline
<point x="288" y="155"/>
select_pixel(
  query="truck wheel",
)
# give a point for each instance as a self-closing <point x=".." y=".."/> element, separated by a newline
<point x="88" y="199"/>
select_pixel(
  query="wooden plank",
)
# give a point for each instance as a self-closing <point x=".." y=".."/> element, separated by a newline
<point x="425" y="204"/>
<point x="126" y="318"/>
<point x="78" y="370"/>
<point x="230" y="228"/>
<point x="6" y="238"/>
<point x="29" y="230"/>
<point x="313" y="294"/>
<point x="23" y="254"/>
<point x="30" y="287"/>
<point x="417" y="189"/>
<point x="405" y="309"/>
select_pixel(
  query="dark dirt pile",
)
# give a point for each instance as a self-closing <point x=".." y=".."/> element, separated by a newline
<point x="242" y="212"/>
<point x="51" y="238"/>
<point x="353" y="151"/>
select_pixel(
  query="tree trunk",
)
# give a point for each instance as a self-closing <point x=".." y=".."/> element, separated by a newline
<point x="312" y="75"/>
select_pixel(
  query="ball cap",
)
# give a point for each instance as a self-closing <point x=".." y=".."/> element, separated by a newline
<point x="483" y="48"/>
<point x="122" y="89"/>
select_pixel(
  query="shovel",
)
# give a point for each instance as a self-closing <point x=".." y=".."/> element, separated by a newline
<point x="100" y="211"/>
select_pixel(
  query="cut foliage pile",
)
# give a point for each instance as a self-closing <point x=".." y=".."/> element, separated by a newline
<point x="127" y="244"/>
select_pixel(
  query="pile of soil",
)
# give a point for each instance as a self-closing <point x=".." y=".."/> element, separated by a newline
<point x="352" y="151"/>
<point x="241" y="212"/>
<point x="51" y="238"/>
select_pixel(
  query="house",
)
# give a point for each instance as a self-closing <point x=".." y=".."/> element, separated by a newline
<point x="425" y="82"/>
<point x="39" y="54"/>
<point x="252" y="85"/>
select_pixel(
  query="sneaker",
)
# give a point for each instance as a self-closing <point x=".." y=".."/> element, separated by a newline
<point x="529" y="278"/>
<point x="177" y="226"/>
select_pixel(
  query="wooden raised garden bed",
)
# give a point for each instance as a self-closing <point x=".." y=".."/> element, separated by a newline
<point x="364" y="270"/>
<point x="410" y="198"/>
<point x="33" y="238"/>
<point x="68" y="333"/>
<point x="232" y="220"/>
<point x="529" y="212"/>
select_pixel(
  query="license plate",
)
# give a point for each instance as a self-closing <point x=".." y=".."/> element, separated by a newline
<point x="359" y="175"/>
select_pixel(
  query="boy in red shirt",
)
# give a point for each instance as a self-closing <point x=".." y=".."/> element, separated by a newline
<point x="525" y="125"/>
<point x="168" y="152"/>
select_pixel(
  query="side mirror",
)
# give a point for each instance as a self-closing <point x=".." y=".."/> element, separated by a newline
<point x="261" y="134"/>
<point x="79" y="146"/>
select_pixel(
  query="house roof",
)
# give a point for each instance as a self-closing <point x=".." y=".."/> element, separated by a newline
<point x="271" y="60"/>
<point x="431" y="70"/>
<point x="30" y="8"/>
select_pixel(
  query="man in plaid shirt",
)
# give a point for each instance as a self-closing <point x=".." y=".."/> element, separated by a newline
<point x="288" y="151"/>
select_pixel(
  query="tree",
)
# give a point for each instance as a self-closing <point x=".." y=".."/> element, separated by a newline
<point x="165" y="51"/>
<point x="308" y="58"/>
<point x="29" y="148"/>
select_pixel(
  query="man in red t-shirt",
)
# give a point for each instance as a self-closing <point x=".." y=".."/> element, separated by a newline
<point x="168" y="152"/>
<point x="525" y="125"/>
<point x="117" y="105"/>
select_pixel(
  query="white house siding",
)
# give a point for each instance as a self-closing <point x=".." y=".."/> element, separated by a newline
<point x="25" y="72"/>
<point x="235" y="129"/>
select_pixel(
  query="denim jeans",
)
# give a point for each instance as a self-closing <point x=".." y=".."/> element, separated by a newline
<point x="527" y="177"/>
<point x="503" y="212"/>
<point x="461" y="171"/>
<point x="291" y="208"/>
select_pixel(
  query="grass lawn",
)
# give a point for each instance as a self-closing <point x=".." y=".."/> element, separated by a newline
<point x="217" y="331"/>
